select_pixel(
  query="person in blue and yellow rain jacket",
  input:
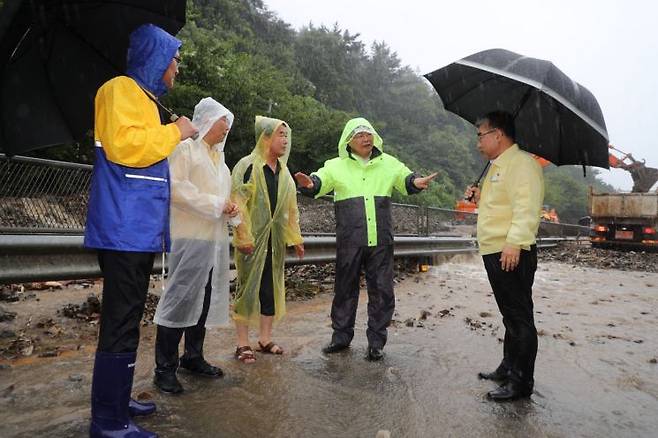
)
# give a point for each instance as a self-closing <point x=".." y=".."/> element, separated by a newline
<point x="128" y="216"/>
<point x="362" y="178"/>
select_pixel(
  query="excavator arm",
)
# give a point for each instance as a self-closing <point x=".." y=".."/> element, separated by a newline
<point x="644" y="177"/>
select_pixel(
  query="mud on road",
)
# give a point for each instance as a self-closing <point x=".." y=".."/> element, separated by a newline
<point x="596" y="375"/>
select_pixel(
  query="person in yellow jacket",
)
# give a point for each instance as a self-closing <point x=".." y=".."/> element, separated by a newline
<point x="128" y="216"/>
<point x="266" y="197"/>
<point x="509" y="207"/>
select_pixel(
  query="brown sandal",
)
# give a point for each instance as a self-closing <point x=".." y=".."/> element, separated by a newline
<point x="267" y="349"/>
<point x="245" y="354"/>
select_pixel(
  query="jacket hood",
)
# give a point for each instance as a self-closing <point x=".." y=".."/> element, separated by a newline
<point x="350" y="127"/>
<point x="150" y="52"/>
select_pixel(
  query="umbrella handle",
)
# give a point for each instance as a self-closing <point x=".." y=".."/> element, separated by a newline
<point x="470" y="198"/>
<point x="476" y="184"/>
<point x="175" y="117"/>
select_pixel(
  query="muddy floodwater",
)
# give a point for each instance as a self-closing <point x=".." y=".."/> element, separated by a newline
<point x="596" y="373"/>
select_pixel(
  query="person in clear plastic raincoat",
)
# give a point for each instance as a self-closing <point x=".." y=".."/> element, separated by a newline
<point x="197" y="291"/>
<point x="362" y="178"/>
<point x="267" y="198"/>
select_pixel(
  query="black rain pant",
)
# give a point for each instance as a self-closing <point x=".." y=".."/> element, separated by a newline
<point x="125" y="285"/>
<point x="378" y="264"/>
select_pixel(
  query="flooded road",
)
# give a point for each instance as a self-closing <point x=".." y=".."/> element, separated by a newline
<point x="596" y="374"/>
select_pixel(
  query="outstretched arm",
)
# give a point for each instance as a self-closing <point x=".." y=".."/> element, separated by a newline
<point x="423" y="182"/>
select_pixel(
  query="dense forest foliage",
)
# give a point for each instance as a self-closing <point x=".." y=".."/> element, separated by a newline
<point x="316" y="78"/>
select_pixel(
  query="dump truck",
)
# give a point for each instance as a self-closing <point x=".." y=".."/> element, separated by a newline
<point x="624" y="220"/>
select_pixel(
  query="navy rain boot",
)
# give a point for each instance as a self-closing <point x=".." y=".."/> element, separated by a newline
<point x="110" y="395"/>
<point x="140" y="409"/>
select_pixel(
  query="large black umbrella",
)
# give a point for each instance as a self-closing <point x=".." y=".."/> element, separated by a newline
<point x="54" y="54"/>
<point x="556" y="117"/>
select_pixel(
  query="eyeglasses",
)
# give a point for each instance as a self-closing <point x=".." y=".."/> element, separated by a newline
<point x="482" y="134"/>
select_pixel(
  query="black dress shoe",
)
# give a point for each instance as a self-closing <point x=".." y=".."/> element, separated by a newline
<point x="334" y="348"/>
<point x="510" y="391"/>
<point x="166" y="381"/>
<point x="496" y="376"/>
<point x="374" y="354"/>
<point x="201" y="367"/>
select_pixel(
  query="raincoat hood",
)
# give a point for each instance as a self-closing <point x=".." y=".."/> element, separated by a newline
<point x="206" y="113"/>
<point x="150" y="52"/>
<point x="264" y="128"/>
<point x="355" y="125"/>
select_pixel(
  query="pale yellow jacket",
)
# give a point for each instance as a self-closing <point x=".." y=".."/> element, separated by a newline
<point x="128" y="125"/>
<point x="510" y="202"/>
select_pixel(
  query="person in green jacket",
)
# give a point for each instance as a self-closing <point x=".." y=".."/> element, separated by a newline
<point x="362" y="178"/>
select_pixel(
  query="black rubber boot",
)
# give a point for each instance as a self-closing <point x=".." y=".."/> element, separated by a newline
<point x="166" y="359"/>
<point x="193" y="360"/>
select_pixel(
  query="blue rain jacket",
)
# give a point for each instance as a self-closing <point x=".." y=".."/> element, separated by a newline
<point x="128" y="206"/>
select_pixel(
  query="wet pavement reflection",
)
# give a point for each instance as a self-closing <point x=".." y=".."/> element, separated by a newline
<point x="426" y="385"/>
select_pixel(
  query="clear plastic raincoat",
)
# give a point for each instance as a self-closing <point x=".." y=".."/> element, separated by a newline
<point x="258" y="224"/>
<point x="200" y="241"/>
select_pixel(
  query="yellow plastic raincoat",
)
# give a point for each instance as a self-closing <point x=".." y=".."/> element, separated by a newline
<point x="200" y="188"/>
<point x="258" y="224"/>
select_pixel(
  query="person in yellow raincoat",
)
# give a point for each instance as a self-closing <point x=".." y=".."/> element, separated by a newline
<point x="197" y="291"/>
<point x="265" y="193"/>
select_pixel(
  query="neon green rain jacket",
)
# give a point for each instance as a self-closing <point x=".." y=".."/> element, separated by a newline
<point x="362" y="191"/>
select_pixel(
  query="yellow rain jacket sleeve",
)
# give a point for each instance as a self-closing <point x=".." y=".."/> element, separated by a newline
<point x="260" y="226"/>
<point x="128" y="125"/>
<point x="292" y="232"/>
<point x="242" y="193"/>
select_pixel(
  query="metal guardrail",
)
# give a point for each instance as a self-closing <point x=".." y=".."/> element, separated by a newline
<point x="25" y="258"/>
<point x="45" y="196"/>
<point x="43" y="206"/>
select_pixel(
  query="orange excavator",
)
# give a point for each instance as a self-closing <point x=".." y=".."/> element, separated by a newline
<point x="643" y="177"/>
<point x="549" y="215"/>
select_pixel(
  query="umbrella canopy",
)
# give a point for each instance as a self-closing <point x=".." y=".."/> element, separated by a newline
<point x="54" y="57"/>
<point x="556" y="118"/>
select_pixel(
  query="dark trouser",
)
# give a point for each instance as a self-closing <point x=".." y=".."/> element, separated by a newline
<point x="167" y="338"/>
<point x="513" y="293"/>
<point x="266" y="292"/>
<point x="378" y="261"/>
<point x="126" y="281"/>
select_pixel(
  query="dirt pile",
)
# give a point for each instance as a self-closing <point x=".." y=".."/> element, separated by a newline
<point x="584" y="255"/>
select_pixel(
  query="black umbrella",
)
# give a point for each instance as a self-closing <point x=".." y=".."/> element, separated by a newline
<point x="54" y="56"/>
<point x="556" y="118"/>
